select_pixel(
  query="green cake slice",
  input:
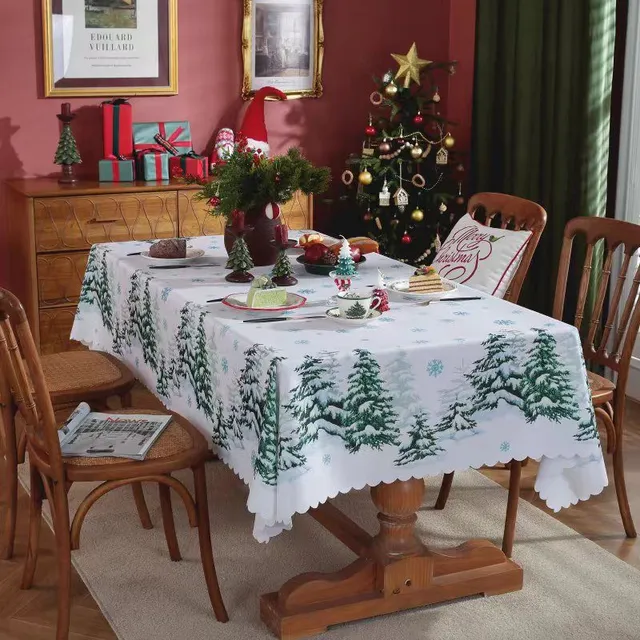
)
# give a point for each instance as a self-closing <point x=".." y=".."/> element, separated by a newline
<point x="264" y="294"/>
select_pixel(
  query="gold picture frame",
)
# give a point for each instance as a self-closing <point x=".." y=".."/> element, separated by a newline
<point x="55" y="25"/>
<point x="258" y="60"/>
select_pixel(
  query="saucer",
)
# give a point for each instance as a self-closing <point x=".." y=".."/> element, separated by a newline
<point x="192" y="255"/>
<point x="334" y="314"/>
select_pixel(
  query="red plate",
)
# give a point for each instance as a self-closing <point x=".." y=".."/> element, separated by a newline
<point x="239" y="301"/>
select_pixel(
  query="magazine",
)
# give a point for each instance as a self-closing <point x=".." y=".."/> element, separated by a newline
<point x="98" y="435"/>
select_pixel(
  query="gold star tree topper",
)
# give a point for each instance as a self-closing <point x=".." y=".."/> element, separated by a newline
<point x="410" y="66"/>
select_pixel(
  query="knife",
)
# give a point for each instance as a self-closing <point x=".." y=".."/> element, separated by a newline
<point x="457" y="299"/>
<point x="215" y="300"/>
<point x="137" y="253"/>
<point x="185" y="266"/>
<point x="282" y="319"/>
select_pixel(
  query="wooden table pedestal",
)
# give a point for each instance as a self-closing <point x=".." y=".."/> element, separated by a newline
<point x="395" y="571"/>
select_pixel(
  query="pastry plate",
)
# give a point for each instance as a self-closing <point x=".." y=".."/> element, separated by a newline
<point x="192" y="254"/>
<point x="401" y="287"/>
<point x="239" y="301"/>
<point x="334" y="314"/>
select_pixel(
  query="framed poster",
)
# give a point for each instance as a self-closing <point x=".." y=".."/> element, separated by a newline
<point x="110" y="47"/>
<point x="283" y="47"/>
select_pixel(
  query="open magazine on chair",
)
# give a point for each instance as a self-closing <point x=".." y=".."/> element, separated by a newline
<point x="98" y="435"/>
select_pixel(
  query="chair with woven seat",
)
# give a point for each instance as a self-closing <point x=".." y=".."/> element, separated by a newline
<point x="71" y="377"/>
<point x="607" y="341"/>
<point x="180" y="446"/>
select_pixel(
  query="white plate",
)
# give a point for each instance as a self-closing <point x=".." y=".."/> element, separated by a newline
<point x="239" y="301"/>
<point x="334" y="314"/>
<point x="401" y="287"/>
<point x="192" y="254"/>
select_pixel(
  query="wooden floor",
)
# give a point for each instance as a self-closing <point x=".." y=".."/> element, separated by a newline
<point x="31" y="615"/>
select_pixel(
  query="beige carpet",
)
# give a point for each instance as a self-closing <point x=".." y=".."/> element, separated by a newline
<point x="573" y="588"/>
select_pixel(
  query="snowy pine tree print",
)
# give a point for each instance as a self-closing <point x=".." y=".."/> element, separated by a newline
<point x="497" y="376"/>
<point x="290" y="454"/>
<point x="199" y="370"/>
<point x="548" y="391"/>
<point x="587" y="429"/>
<point x="266" y="464"/>
<point x="105" y="302"/>
<point x="315" y="401"/>
<point x="182" y="346"/>
<point x="371" y="418"/>
<point x="423" y="443"/>
<point x="400" y="379"/>
<point x="231" y="427"/>
<point x="458" y="418"/>
<point x="164" y="378"/>
<point x="96" y="287"/>
<point x="251" y="389"/>
<point x="147" y="330"/>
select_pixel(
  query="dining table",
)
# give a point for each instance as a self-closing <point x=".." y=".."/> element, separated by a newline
<point x="303" y="406"/>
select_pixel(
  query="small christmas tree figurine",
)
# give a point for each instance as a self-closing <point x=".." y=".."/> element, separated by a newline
<point x="67" y="153"/>
<point x="240" y="261"/>
<point x="346" y="266"/>
<point x="282" y="273"/>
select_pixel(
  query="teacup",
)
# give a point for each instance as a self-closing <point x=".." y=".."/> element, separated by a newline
<point x="357" y="305"/>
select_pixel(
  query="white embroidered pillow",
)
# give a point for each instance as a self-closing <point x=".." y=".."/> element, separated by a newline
<point x="481" y="257"/>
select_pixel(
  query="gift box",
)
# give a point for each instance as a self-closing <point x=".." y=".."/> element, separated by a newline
<point x="117" y="170"/>
<point x="153" y="165"/>
<point x="177" y="134"/>
<point x="117" y="129"/>
<point x="189" y="164"/>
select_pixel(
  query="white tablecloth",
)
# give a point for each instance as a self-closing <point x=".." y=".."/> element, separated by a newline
<point x="303" y="410"/>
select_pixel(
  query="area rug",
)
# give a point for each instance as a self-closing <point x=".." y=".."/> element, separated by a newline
<point x="573" y="588"/>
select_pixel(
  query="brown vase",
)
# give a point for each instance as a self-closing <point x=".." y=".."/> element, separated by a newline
<point x="259" y="237"/>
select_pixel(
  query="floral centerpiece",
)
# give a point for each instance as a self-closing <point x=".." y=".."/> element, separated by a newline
<point x="249" y="182"/>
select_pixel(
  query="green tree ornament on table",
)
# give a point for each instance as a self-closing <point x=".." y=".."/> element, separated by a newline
<point x="239" y="261"/>
<point x="345" y="266"/>
<point x="282" y="273"/>
<point x="67" y="153"/>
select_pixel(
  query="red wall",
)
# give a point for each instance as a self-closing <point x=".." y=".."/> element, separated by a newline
<point x="358" y="40"/>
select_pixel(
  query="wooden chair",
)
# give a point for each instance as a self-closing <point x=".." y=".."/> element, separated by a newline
<point x="507" y="212"/>
<point x="71" y="377"/>
<point x="180" y="446"/>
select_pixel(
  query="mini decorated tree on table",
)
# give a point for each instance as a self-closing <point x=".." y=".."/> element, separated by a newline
<point x="239" y="257"/>
<point x="282" y="273"/>
<point x="67" y="153"/>
<point x="345" y="268"/>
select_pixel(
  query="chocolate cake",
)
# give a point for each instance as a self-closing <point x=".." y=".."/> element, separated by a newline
<point x="172" y="248"/>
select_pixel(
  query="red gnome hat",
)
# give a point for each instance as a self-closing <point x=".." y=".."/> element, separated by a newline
<point x="253" y="125"/>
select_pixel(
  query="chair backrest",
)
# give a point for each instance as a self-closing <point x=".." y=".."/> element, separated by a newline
<point x="511" y="212"/>
<point x="20" y="365"/>
<point x="613" y="350"/>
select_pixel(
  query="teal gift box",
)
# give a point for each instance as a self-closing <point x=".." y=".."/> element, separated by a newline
<point x="153" y="166"/>
<point x="116" y="170"/>
<point x="176" y="134"/>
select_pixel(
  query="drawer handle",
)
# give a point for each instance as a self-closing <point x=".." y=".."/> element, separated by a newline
<point x="101" y="221"/>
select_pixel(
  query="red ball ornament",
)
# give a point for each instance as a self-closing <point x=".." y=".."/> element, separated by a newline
<point x="277" y="178"/>
<point x="406" y="239"/>
<point x="367" y="217"/>
<point x="418" y="119"/>
<point x="215" y="201"/>
<point x="370" y="130"/>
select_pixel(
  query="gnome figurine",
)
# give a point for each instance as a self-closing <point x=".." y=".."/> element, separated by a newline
<point x="253" y="126"/>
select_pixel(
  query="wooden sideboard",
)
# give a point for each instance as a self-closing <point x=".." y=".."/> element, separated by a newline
<point x="52" y="228"/>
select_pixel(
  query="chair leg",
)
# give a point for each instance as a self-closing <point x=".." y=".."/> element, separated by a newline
<point x="169" y="523"/>
<point x="11" y="482"/>
<point x="141" y="506"/>
<point x="512" y="507"/>
<point x="445" y="488"/>
<point x="63" y="550"/>
<point x="621" y="486"/>
<point x="206" y="552"/>
<point x="126" y="400"/>
<point x="35" y="522"/>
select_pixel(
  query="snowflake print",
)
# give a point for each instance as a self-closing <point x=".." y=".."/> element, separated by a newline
<point x="447" y="320"/>
<point x="459" y="340"/>
<point x="197" y="280"/>
<point x="294" y="330"/>
<point x="504" y="323"/>
<point x="137" y="361"/>
<point x="435" y="368"/>
<point x="343" y="331"/>
<point x="302" y="342"/>
<point x="225" y="365"/>
<point x="387" y="319"/>
<point x="396" y="266"/>
<point x="505" y="446"/>
<point x="307" y="292"/>
<point x="189" y="402"/>
<point x="164" y="294"/>
<point x="517" y="312"/>
<point x="461" y="313"/>
<point x="421" y="342"/>
<point x="225" y="329"/>
<point x="235" y="345"/>
<point x="418" y="330"/>
<point x="549" y="324"/>
<point x="328" y="286"/>
<point x="326" y="459"/>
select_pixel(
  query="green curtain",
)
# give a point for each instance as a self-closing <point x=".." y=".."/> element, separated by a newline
<point x="544" y="72"/>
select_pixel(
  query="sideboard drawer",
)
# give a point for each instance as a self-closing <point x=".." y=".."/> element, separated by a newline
<point x="60" y="277"/>
<point x="78" y="222"/>
<point x="297" y="212"/>
<point x="195" y="219"/>
<point x="55" y="329"/>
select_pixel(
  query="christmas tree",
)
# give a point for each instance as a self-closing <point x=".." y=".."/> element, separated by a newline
<point x="239" y="257"/>
<point x="498" y="375"/>
<point x="459" y="417"/>
<point x="164" y="378"/>
<point x="200" y="371"/>
<point x="251" y="390"/>
<point x="67" y="151"/>
<point x="407" y="189"/>
<point x="182" y="347"/>
<point x="547" y="389"/>
<point x="587" y="429"/>
<point x="282" y="267"/>
<point x="266" y="464"/>
<point x="423" y="442"/>
<point x="345" y="266"/>
<point x="371" y="418"/>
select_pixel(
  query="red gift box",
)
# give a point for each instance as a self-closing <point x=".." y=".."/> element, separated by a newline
<point x="189" y="164"/>
<point x="117" y="129"/>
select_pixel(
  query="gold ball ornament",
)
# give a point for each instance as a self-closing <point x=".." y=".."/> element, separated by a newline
<point x="365" y="177"/>
<point x="391" y="90"/>
<point x="449" y="142"/>
<point x="417" y="215"/>
<point x="417" y="152"/>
